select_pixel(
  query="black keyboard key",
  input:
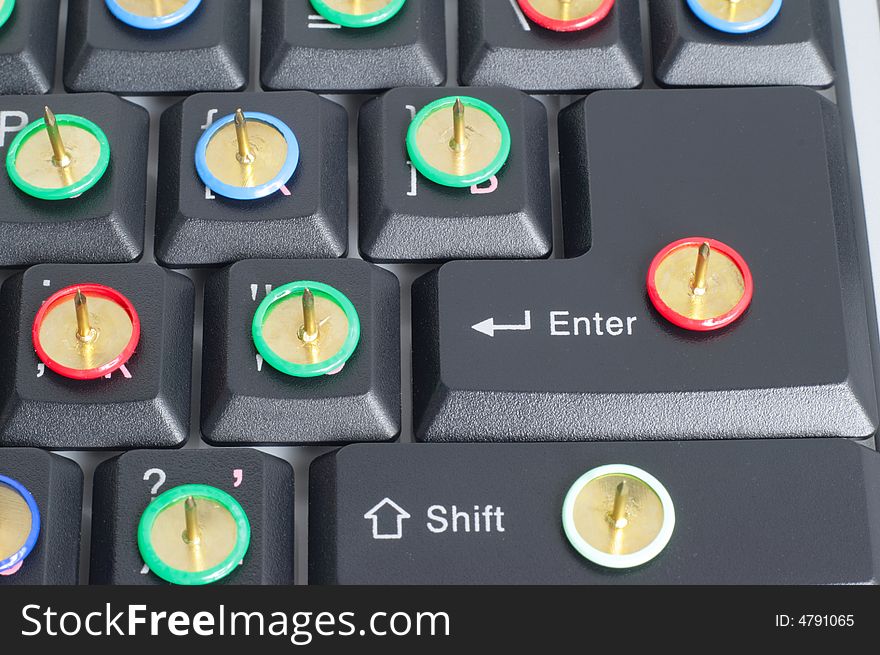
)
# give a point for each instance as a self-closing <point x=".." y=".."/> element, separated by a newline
<point x="54" y="485"/>
<point x="126" y="485"/>
<point x="209" y="51"/>
<point x="573" y="349"/>
<point x="28" y="40"/>
<point x="406" y="217"/>
<point x="144" y="403"/>
<point x="793" y="49"/>
<point x="500" y="46"/>
<point x="247" y="401"/>
<point x="308" y="217"/>
<point x="742" y="513"/>
<point x="105" y="223"/>
<point x="303" y="50"/>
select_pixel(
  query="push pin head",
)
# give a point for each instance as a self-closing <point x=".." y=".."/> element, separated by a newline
<point x="306" y="329"/>
<point x="618" y="516"/>
<point x="566" y="15"/>
<point x="152" y="14"/>
<point x="58" y="157"/>
<point x="247" y="155"/>
<point x="358" y="13"/>
<point x="193" y="535"/>
<point x="700" y="284"/>
<point x="86" y="332"/>
<point x="19" y="524"/>
<point x="6" y="7"/>
<point x="736" y="16"/>
<point x="458" y="141"/>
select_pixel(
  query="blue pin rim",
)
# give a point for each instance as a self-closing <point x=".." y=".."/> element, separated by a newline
<point x="735" y="28"/>
<point x="240" y="192"/>
<point x="6" y="7"/>
<point x="22" y="553"/>
<point x="152" y="22"/>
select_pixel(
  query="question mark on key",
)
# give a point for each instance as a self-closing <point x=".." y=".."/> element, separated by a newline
<point x="149" y="474"/>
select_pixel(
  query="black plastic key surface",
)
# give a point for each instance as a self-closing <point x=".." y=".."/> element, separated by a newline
<point x="125" y="485"/>
<point x="573" y="349"/>
<point x="405" y="217"/>
<point x="28" y="41"/>
<point x="779" y="512"/>
<point x="500" y="46"/>
<point x="307" y="218"/>
<point x="209" y="51"/>
<point x="246" y="401"/>
<point x="144" y="404"/>
<point x="302" y="50"/>
<point x="794" y="49"/>
<point x="105" y="223"/>
<point x="57" y="486"/>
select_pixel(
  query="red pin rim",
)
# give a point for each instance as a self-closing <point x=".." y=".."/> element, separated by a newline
<point x="708" y="324"/>
<point x="565" y="25"/>
<point x="97" y="291"/>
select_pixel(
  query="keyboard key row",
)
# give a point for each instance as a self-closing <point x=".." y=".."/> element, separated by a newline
<point x="286" y="197"/>
<point x="598" y="513"/>
<point x="320" y="46"/>
<point x="102" y="355"/>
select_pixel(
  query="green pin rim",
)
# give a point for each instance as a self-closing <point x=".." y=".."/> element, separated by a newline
<point x="357" y="21"/>
<point x="190" y="578"/>
<point x="67" y="192"/>
<point x="448" y="179"/>
<point x="6" y="7"/>
<point x="325" y="367"/>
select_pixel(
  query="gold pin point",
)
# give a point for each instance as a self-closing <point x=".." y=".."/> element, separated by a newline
<point x="701" y="270"/>
<point x="308" y="333"/>
<point x="565" y="9"/>
<point x="60" y="158"/>
<point x="731" y="15"/>
<point x="618" y="511"/>
<point x="193" y="535"/>
<point x="459" y="142"/>
<point x="84" y="331"/>
<point x="245" y="153"/>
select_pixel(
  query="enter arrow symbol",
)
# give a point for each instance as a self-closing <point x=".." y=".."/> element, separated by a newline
<point x="489" y="328"/>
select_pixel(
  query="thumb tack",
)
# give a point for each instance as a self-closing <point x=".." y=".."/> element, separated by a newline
<point x="193" y="534"/>
<point x="86" y="331"/>
<point x="566" y="15"/>
<point x="618" y="516"/>
<point x="152" y="14"/>
<point x="58" y="157"/>
<point x="19" y="525"/>
<point x="458" y="141"/>
<point x="306" y="329"/>
<point x="736" y="16"/>
<point x="700" y="284"/>
<point x="247" y="155"/>
<point x="358" y="13"/>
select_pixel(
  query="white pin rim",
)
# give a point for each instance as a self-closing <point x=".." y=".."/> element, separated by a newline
<point x="608" y="560"/>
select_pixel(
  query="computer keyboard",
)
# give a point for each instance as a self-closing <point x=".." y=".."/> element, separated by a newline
<point x="726" y="440"/>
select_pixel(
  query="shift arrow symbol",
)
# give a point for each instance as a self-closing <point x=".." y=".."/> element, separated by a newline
<point x="489" y="328"/>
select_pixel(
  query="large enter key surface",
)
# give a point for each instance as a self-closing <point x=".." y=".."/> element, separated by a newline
<point x="499" y="352"/>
